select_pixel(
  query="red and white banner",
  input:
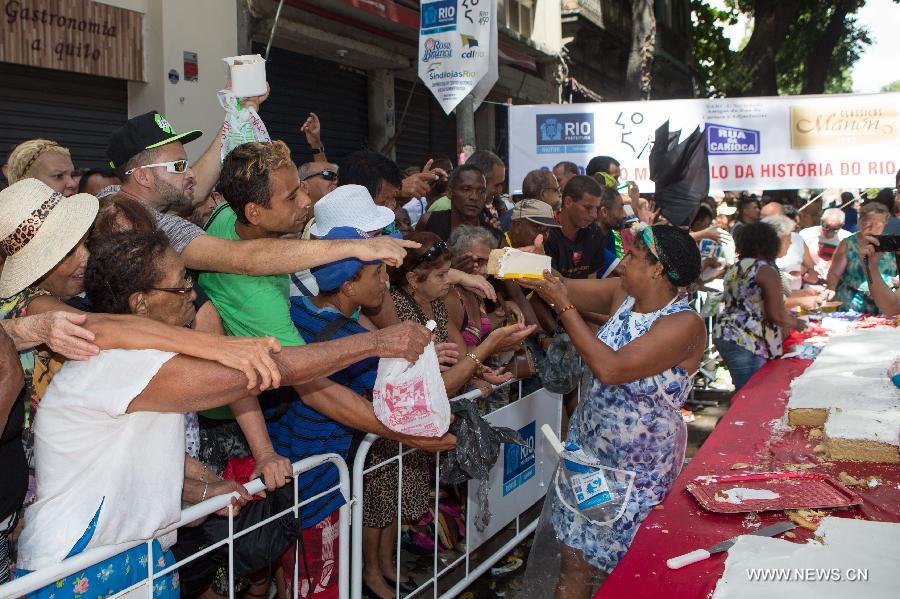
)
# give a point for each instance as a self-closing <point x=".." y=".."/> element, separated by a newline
<point x="787" y="142"/>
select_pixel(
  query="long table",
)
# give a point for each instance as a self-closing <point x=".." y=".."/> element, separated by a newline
<point x="751" y="432"/>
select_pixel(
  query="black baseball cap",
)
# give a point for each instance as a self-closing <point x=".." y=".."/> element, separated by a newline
<point x="144" y="132"/>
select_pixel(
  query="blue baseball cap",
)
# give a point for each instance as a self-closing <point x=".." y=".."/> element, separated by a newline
<point x="334" y="274"/>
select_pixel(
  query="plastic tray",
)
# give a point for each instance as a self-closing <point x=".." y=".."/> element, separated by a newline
<point x="796" y="490"/>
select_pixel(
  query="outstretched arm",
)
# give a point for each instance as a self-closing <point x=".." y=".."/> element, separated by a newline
<point x="258" y="257"/>
<point x="11" y="377"/>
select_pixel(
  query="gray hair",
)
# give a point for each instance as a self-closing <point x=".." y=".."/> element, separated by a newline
<point x="782" y="224"/>
<point x="834" y="214"/>
<point x="304" y="170"/>
<point x="464" y="236"/>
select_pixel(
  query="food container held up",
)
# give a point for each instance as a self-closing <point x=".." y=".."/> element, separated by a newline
<point x="247" y="74"/>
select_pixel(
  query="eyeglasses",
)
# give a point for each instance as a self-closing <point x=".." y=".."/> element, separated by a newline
<point x="328" y="175"/>
<point x="432" y="253"/>
<point x="176" y="166"/>
<point x="189" y="286"/>
<point x="831" y="229"/>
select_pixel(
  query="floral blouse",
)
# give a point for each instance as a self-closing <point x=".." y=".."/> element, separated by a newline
<point x="743" y="319"/>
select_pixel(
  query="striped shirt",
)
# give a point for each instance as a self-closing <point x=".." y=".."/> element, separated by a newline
<point x="303" y="432"/>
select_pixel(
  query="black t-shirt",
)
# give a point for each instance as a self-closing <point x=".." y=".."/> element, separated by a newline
<point x="12" y="460"/>
<point x="580" y="258"/>
<point x="439" y="224"/>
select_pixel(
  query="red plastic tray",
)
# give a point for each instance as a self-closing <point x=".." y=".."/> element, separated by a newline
<point x="796" y="490"/>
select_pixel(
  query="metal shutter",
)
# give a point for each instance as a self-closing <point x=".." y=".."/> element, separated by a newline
<point x="77" y="111"/>
<point x="426" y="129"/>
<point x="302" y="84"/>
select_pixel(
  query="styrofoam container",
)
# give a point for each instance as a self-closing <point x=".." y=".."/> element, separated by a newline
<point x="247" y="79"/>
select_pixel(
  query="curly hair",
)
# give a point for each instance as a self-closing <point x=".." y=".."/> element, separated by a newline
<point x="759" y="241"/>
<point x="245" y="174"/>
<point x="413" y="261"/>
<point x="678" y="254"/>
<point x="23" y="157"/>
<point x="463" y="236"/>
<point x="122" y="264"/>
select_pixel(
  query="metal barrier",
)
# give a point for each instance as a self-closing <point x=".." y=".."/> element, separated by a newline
<point x="41" y="578"/>
<point x="470" y="574"/>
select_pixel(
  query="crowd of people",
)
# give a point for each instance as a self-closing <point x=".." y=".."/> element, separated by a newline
<point x="159" y="316"/>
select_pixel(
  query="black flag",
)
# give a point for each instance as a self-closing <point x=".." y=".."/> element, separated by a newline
<point x="681" y="173"/>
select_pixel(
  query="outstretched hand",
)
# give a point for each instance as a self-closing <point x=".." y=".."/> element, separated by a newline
<point x="406" y="340"/>
<point x="312" y="128"/>
<point x="387" y="249"/>
<point x="550" y="289"/>
<point x="250" y="355"/>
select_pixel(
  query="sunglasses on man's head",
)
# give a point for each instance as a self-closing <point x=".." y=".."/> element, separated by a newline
<point x="327" y="174"/>
<point x="176" y="166"/>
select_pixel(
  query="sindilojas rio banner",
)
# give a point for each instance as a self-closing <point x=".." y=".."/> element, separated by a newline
<point x="458" y="49"/>
<point x="788" y="142"/>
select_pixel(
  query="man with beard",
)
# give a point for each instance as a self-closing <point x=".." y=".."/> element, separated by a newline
<point x="467" y="196"/>
<point x="148" y="156"/>
<point x="578" y="248"/>
<point x="611" y="218"/>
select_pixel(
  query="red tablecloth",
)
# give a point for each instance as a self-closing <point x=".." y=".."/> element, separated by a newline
<point x="750" y="432"/>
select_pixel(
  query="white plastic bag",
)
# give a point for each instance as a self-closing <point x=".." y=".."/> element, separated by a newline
<point x="242" y="123"/>
<point x="410" y="398"/>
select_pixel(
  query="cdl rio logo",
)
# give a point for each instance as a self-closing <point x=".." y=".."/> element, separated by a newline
<point x="721" y="139"/>
<point x="518" y="461"/>
<point x="438" y="16"/>
<point x="565" y="133"/>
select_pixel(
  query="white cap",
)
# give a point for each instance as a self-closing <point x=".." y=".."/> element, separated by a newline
<point x="349" y="206"/>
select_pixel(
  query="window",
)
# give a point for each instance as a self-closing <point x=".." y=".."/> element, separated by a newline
<point x="517" y="15"/>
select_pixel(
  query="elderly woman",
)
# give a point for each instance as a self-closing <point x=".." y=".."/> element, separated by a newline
<point x="643" y="363"/>
<point x="750" y="329"/>
<point x="118" y="476"/>
<point x="847" y="275"/>
<point x="46" y="161"/>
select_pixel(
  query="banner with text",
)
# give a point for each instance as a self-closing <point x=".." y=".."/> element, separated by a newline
<point x="458" y="49"/>
<point x="521" y="475"/>
<point x="787" y="142"/>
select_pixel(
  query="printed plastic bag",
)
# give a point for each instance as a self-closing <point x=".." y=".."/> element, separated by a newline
<point x="242" y="123"/>
<point x="586" y="487"/>
<point x="410" y="398"/>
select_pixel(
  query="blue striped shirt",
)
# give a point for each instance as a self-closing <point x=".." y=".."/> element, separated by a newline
<point x="302" y="431"/>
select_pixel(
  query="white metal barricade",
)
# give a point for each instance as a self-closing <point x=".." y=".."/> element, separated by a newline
<point x="41" y="578"/>
<point x="470" y="574"/>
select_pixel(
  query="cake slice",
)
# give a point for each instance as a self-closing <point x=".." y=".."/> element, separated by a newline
<point x="863" y="435"/>
<point x="510" y="263"/>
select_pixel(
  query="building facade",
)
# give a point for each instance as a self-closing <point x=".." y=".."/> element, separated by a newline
<point x="353" y="62"/>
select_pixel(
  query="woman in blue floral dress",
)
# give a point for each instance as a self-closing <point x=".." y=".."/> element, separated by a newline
<point x="643" y="362"/>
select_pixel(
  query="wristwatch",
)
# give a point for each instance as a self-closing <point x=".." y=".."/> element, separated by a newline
<point x="320" y="150"/>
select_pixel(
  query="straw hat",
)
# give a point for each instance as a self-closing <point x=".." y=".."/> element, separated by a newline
<point x="38" y="227"/>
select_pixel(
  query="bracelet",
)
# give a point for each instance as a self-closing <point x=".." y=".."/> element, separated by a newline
<point x="475" y="359"/>
<point x="569" y="307"/>
<point x="205" y="489"/>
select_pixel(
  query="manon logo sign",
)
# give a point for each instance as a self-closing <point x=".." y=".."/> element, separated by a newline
<point x="835" y="126"/>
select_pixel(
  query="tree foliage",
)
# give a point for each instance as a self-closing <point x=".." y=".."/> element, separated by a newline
<point x="797" y="46"/>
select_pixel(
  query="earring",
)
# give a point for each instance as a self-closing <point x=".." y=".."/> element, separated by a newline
<point x="413" y="294"/>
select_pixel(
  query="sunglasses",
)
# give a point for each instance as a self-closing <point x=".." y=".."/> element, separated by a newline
<point x="328" y="175"/>
<point x="432" y="253"/>
<point x="189" y="286"/>
<point x="176" y="166"/>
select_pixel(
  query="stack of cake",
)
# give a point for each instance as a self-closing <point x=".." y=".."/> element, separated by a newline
<point x="847" y="389"/>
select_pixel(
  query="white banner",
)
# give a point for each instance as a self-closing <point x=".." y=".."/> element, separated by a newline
<point x="522" y="474"/>
<point x="458" y="49"/>
<point x="788" y="142"/>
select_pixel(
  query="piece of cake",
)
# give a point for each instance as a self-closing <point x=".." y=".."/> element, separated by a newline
<point x="863" y="435"/>
<point x="510" y="263"/>
<point x="850" y="373"/>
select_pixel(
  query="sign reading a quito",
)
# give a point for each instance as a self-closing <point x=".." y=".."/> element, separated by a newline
<point x="80" y="36"/>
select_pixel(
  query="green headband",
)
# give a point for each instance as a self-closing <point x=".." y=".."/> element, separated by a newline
<point x="650" y="242"/>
